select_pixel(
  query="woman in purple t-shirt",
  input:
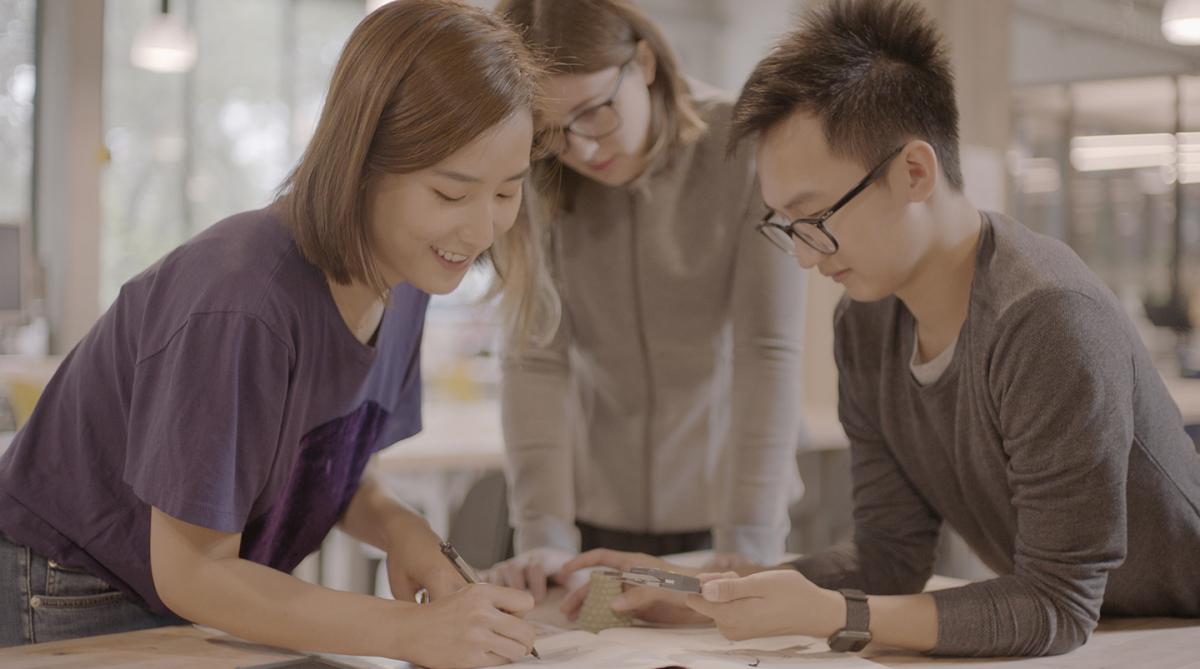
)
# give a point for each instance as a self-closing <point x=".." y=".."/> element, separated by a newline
<point x="221" y="417"/>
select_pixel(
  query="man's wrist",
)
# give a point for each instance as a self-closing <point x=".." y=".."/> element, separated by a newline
<point x="833" y="617"/>
<point x="855" y="634"/>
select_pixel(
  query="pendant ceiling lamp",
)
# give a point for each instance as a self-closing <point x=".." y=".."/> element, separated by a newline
<point x="1181" y="21"/>
<point x="165" y="44"/>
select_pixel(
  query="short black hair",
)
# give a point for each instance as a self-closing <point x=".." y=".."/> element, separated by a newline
<point x="874" y="72"/>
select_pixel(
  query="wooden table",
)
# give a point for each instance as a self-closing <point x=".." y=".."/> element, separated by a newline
<point x="1130" y="643"/>
<point x="182" y="647"/>
<point x="1126" y="643"/>
<point x="1147" y="643"/>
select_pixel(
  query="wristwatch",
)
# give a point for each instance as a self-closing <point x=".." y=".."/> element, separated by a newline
<point x="857" y="632"/>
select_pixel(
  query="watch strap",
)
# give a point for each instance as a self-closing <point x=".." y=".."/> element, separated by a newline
<point x="857" y="632"/>
<point x="858" y="612"/>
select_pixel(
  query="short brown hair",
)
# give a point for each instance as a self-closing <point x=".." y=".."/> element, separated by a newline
<point x="874" y="72"/>
<point x="580" y="36"/>
<point x="417" y="81"/>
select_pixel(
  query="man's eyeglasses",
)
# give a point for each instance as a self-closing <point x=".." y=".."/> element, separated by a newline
<point x="779" y="230"/>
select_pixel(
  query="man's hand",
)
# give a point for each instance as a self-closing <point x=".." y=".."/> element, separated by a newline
<point x="769" y="603"/>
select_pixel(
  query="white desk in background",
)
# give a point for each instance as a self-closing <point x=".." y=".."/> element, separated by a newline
<point x="460" y="442"/>
<point x="434" y="470"/>
<point x="431" y="472"/>
<point x="466" y="435"/>
<point x="1186" y="393"/>
<point x="465" y="438"/>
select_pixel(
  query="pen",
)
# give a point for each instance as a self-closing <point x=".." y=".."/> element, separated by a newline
<point x="468" y="574"/>
<point x="460" y="565"/>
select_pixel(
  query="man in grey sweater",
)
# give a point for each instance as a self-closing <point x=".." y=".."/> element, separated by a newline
<point x="987" y="378"/>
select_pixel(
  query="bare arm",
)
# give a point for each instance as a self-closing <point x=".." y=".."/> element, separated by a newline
<point x="375" y="516"/>
<point x="782" y="601"/>
<point x="198" y="575"/>
<point x="414" y="559"/>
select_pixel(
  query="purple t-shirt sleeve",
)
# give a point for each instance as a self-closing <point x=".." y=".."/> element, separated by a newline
<point x="205" y="419"/>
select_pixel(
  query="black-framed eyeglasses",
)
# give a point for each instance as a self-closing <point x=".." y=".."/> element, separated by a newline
<point x="779" y="230"/>
<point x="594" y="123"/>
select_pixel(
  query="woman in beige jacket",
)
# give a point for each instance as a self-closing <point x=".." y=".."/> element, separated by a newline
<point x="663" y="416"/>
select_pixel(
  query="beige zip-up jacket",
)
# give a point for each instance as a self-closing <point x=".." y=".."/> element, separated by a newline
<point x="669" y="399"/>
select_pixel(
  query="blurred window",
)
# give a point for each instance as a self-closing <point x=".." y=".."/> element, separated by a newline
<point x="189" y="149"/>
<point x="1095" y="164"/>
<point x="18" y="84"/>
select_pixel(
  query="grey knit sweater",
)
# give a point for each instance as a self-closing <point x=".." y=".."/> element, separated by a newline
<point x="1050" y="444"/>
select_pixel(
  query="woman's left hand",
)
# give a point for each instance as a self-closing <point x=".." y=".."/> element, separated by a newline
<point x="769" y="603"/>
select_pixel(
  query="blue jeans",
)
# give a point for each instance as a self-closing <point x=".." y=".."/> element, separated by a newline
<point x="41" y="601"/>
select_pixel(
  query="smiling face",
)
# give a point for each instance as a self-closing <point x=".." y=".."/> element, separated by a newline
<point x="620" y="156"/>
<point x="881" y="238"/>
<point x="427" y="227"/>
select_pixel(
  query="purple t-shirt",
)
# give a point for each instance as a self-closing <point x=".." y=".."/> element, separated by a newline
<point x="222" y="387"/>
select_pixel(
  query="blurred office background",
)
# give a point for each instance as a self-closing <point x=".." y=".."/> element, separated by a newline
<point x="1079" y="117"/>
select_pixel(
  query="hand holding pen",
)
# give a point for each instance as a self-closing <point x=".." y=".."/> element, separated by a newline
<point x="468" y="574"/>
<point x="472" y="626"/>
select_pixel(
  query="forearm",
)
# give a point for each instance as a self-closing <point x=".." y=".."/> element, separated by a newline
<point x="762" y="481"/>
<point x="1002" y="617"/>
<point x="899" y="621"/>
<point x="263" y="605"/>
<point x="376" y="517"/>
<point x="541" y="496"/>
<point x="761" y="478"/>
<point x="763" y="541"/>
<point x="782" y="602"/>
<point x="1014" y="616"/>
<point x="903" y="621"/>
<point x="540" y="475"/>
